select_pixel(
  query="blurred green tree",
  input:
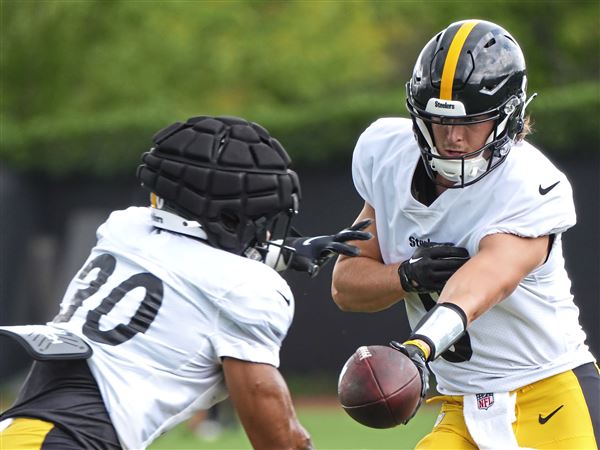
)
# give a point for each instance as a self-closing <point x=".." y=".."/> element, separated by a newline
<point x="84" y="84"/>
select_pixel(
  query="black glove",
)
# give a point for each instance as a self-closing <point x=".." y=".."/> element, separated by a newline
<point x="312" y="253"/>
<point x="418" y="358"/>
<point x="431" y="266"/>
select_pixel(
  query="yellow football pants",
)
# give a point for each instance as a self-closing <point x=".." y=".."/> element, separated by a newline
<point x="559" y="412"/>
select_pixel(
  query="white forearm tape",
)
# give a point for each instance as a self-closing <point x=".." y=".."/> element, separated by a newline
<point x="441" y="327"/>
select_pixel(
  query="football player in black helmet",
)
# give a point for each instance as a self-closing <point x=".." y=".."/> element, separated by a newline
<point x="178" y="305"/>
<point x="473" y="72"/>
<point x="468" y="224"/>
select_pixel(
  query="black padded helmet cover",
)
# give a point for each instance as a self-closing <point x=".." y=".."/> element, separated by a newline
<point x="226" y="173"/>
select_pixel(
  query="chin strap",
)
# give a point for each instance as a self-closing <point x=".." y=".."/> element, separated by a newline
<point x="172" y="222"/>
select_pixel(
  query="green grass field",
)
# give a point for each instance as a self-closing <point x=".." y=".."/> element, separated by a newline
<point x="329" y="426"/>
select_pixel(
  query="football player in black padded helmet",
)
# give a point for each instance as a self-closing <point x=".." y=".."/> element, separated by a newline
<point x="226" y="176"/>
<point x="227" y="181"/>
<point x="178" y="305"/>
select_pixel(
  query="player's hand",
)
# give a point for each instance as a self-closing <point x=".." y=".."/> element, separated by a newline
<point x="417" y="356"/>
<point x="430" y="267"/>
<point x="310" y="254"/>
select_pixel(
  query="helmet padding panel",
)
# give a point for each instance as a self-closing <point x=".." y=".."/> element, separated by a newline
<point x="226" y="173"/>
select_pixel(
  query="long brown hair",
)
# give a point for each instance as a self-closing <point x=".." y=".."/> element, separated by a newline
<point x="527" y="129"/>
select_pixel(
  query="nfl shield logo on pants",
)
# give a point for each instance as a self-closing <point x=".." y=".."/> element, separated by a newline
<point x="484" y="401"/>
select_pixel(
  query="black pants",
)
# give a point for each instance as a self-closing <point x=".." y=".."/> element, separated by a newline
<point x="65" y="394"/>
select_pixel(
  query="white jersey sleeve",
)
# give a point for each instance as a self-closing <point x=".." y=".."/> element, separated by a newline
<point x="371" y="153"/>
<point x="541" y="202"/>
<point x="254" y="318"/>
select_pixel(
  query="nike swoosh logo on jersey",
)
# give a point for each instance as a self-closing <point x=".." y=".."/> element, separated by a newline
<point x="544" y="191"/>
<point x="543" y="420"/>
<point x="284" y="297"/>
<point x="412" y="261"/>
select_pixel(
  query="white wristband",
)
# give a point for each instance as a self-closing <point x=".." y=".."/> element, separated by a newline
<point x="275" y="258"/>
<point x="441" y="327"/>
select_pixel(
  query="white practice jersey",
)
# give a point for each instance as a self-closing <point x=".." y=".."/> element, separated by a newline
<point x="532" y="334"/>
<point x="160" y="310"/>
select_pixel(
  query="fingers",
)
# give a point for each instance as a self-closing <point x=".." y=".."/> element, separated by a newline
<point x="361" y="225"/>
<point x="447" y="264"/>
<point x="443" y="250"/>
<point x="343" y="249"/>
<point x="352" y="235"/>
<point x="446" y="251"/>
<point x="446" y="267"/>
<point x="303" y="264"/>
<point x="354" y="232"/>
<point x="430" y="244"/>
<point x="439" y="279"/>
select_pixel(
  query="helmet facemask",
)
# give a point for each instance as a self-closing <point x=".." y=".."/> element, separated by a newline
<point x="473" y="166"/>
<point x="270" y="232"/>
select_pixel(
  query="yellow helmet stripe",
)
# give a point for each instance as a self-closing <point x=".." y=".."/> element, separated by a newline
<point x="452" y="58"/>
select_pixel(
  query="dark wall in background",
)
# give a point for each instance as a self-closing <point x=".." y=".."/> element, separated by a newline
<point x="47" y="228"/>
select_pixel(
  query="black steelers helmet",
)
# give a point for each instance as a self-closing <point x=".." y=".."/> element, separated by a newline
<point x="471" y="72"/>
<point x="222" y="179"/>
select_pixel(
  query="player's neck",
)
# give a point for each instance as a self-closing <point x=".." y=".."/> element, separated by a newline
<point x="423" y="188"/>
<point x="442" y="184"/>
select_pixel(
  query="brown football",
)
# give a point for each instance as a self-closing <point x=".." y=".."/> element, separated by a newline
<point x="379" y="387"/>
